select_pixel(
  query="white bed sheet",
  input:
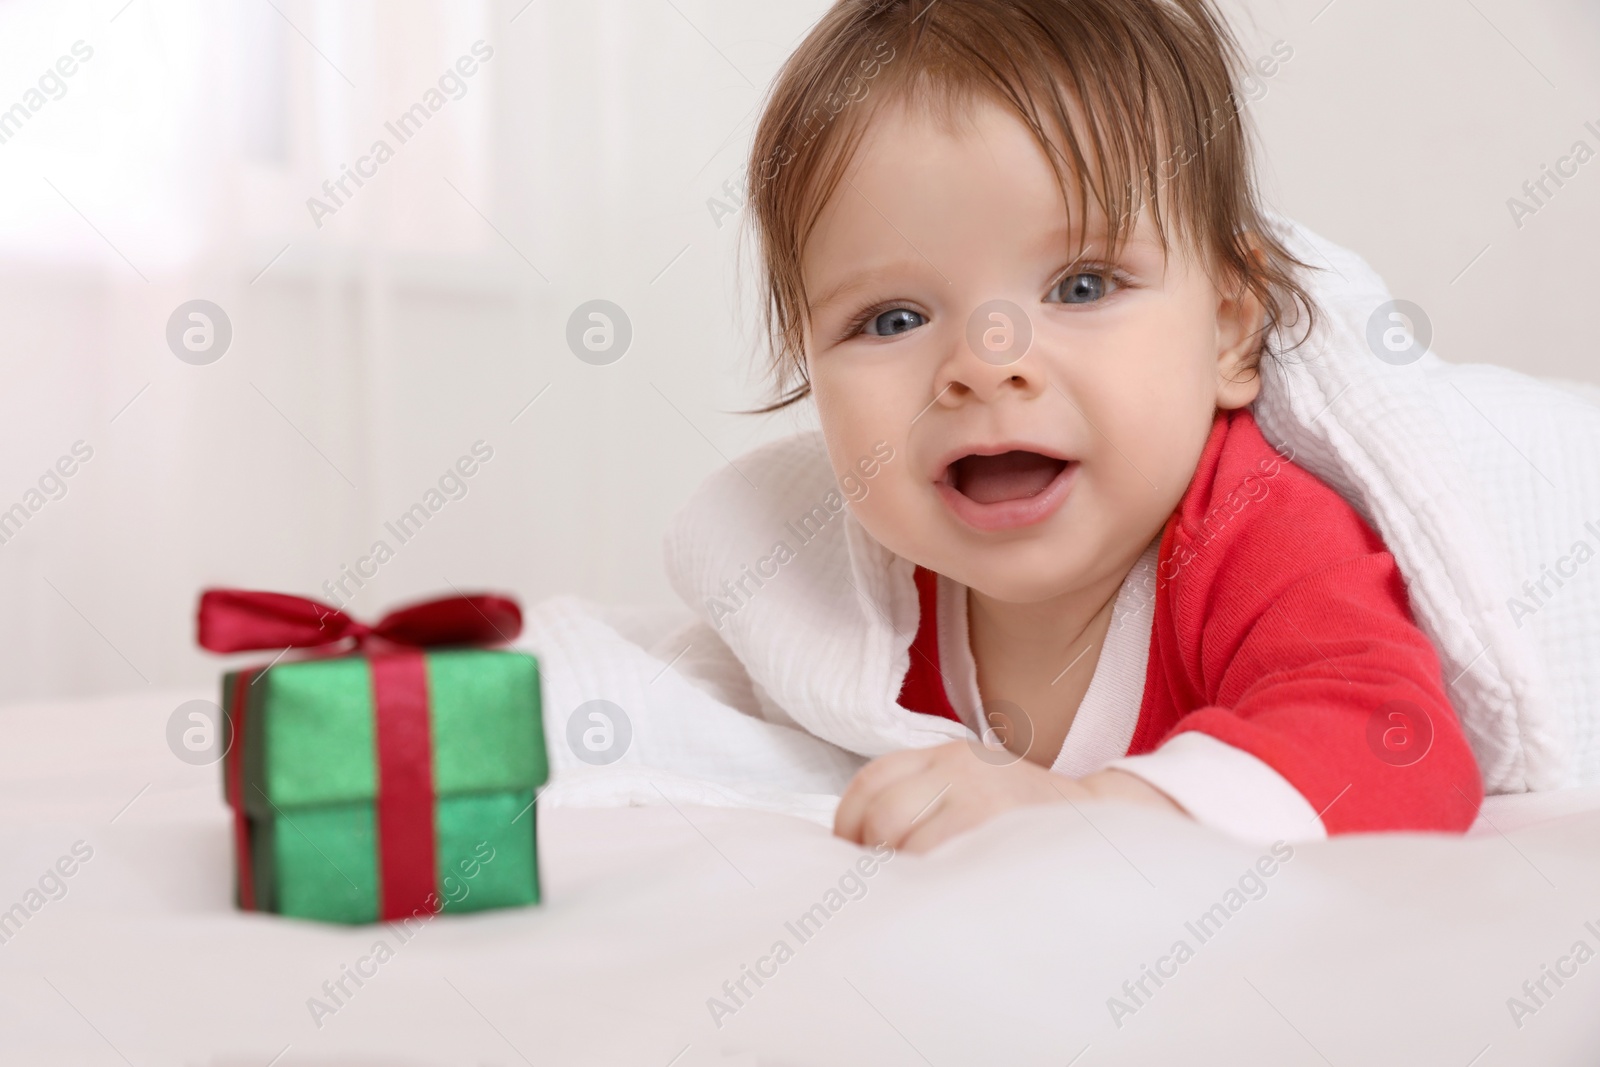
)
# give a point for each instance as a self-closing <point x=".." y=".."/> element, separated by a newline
<point x="1005" y="946"/>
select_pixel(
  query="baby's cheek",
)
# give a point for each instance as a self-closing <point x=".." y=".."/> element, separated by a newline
<point x="1121" y="494"/>
<point x="849" y="425"/>
<point x="883" y="511"/>
<point x="900" y="518"/>
<point x="1158" y="429"/>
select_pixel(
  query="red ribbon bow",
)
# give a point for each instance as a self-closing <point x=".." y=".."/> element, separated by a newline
<point x="236" y="620"/>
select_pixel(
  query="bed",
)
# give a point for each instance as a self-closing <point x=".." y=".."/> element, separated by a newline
<point x="1042" y="938"/>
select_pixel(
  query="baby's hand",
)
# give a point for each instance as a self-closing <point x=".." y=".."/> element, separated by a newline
<point x="917" y="798"/>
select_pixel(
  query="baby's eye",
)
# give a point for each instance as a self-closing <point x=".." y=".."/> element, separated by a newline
<point x="893" y="321"/>
<point x="1083" y="288"/>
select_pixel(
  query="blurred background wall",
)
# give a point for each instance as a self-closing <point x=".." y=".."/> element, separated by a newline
<point x="594" y="152"/>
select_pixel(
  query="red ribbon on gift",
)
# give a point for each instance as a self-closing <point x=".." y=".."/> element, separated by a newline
<point x="238" y="620"/>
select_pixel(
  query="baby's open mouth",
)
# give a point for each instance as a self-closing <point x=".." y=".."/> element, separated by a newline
<point x="1014" y="475"/>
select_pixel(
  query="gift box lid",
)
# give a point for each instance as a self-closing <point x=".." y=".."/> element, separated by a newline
<point x="309" y="736"/>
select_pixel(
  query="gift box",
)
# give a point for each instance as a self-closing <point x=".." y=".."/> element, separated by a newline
<point x="393" y="774"/>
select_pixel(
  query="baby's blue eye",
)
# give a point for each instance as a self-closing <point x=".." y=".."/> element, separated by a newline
<point x="893" y="321"/>
<point x="1085" y="288"/>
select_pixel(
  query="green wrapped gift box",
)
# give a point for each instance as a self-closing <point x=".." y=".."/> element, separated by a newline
<point x="380" y="785"/>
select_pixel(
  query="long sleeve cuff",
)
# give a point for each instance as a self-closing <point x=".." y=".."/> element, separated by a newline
<point x="1227" y="789"/>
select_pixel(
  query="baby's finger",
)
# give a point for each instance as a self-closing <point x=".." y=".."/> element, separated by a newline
<point x="896" y="811"/>
<point x="868" y="783"/>
<point x="943" y="821"/>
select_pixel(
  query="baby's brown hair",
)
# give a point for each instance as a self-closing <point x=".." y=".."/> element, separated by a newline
<point x="1134" y="102"/>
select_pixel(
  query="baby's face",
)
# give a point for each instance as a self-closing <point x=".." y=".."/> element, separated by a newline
<point x="1023" y="474"/>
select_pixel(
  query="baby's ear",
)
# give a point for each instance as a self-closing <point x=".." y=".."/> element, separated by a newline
<point x="1240" y="341"/>
<point x="1239" y="375"/>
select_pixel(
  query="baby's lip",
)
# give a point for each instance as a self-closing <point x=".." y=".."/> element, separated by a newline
<point x="941" y="470"/>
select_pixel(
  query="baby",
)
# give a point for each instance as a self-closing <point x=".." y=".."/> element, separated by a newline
<point x="1020" y="242"/>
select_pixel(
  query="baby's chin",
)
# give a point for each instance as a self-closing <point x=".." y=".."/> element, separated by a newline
<point x="1017" y="573"/>
<point x="1009" y="589"/>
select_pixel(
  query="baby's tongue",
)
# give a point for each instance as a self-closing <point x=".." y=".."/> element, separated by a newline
<point x="1008" y="476"/>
